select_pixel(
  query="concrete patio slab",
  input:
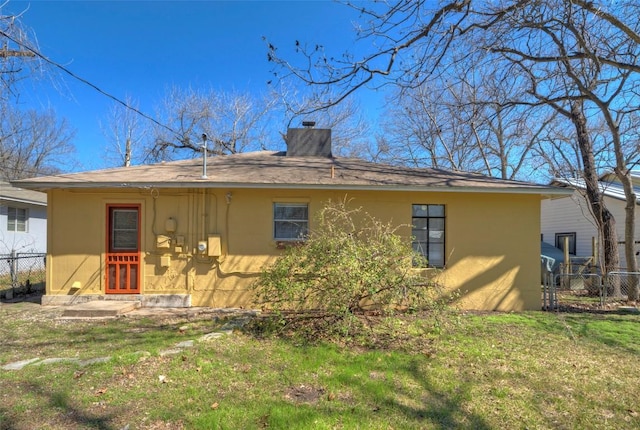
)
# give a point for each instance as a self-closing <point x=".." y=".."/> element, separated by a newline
<point x="100" y="309"/>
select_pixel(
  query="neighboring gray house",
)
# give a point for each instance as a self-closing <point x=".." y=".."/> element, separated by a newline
<point x="23" y="220"/>
<point x="571" y="216"/>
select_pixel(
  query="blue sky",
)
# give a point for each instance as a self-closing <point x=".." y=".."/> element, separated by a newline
<point x="139" y="48"/>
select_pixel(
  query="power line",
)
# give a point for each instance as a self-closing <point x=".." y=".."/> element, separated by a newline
<point x="84" y="81"/>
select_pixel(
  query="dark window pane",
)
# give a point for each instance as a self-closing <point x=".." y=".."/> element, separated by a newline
<point x="420" y="247"/>
<point x="420" y="210"/>
<point x="436" y="230"/>
<point x="17" y="219"/>
<point x="419" y="223"/>
<point x="290" y="212"/>
<point x="560" y="238"/>
<point x="436" y="255"/>
<point x="125" y="219"/>
<point x="124" y="230"/>
<point x="436" y="210"/>
<point x="429" y="232"/>
<point x="290" y="221"/>
<point x="123" y="240"/>
<point x="420" y="235"/>
<point x="11" y="219"/>
<point x="290" y="230"/>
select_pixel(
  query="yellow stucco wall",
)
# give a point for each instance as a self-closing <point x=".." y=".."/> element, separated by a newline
<point x="492" y="241"/>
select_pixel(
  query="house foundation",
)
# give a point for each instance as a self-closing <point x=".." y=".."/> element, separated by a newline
<point x="146" y="300"/>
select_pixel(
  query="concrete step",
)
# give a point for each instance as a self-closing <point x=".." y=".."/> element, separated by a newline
<point x="100" y="309"/>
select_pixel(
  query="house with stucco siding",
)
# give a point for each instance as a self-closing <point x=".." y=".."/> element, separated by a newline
<point x="198" y="232"/>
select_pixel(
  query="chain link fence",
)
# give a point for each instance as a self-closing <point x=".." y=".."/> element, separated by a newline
<point x="21" y="274"/>
<point x="621" y="287"/>
<point x="590" y="291"/>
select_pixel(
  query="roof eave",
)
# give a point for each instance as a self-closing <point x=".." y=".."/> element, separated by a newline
<point x="604" y="189"/>
<point x="542" y="190"/>
<point x="23" y="201"/>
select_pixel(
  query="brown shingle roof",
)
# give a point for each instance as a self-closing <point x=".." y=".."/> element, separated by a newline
<point x="275" y="170"/>
<point x="15" y="194"/>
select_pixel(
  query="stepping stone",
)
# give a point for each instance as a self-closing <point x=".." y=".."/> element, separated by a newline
<point x="19" y="364"/>
<point x="90" y="361"/>
<point x="211" y="336"/>
<point x="185" y="344"/>
<point x="58" y="360"/>
<point x="173" y="351"/>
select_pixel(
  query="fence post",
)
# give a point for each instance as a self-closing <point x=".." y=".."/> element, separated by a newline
<point x="13" y="272"/>
<point x="545" y="291"/>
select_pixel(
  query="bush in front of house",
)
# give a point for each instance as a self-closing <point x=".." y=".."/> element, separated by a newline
<point x="350" y="264"/>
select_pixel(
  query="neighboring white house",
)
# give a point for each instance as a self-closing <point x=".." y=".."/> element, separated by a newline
<point x="23" y="220"/>
<point x="571" y="217"/>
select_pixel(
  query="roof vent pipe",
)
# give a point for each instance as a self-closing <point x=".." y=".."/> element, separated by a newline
<point x="204" y="156"/>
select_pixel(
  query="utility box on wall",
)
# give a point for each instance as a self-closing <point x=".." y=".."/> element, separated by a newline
<point x="214" y="246"/>
<point x="163" y="241"/>
<point x="165" y="261"/>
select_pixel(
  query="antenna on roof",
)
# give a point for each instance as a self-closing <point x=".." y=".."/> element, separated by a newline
<point x="308" y="124"/>
<point x="204" y="156"/>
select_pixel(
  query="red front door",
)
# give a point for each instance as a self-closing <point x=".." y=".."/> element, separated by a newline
<point x="123" y="249"/>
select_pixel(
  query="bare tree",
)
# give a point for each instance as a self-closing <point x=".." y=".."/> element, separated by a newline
<point x="460" y="124"/>
<point x="350" y="129"/>
<point x="584" y="68"/>
<point x="17" y="58"/>
<point x="232" y="121"/>
<point x="33" y="143"/>
<point x="123" y="129"/>
<point x="576" y="57"/>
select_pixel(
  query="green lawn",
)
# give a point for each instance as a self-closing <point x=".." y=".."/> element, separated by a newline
<point x="492" y="371"/>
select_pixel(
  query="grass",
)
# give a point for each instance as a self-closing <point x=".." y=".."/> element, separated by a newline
<point x="489" y="371"/>
<point x="26" y="282"/>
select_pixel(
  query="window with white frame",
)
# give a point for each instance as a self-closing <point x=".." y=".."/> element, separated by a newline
<point x="17" y="219"/>
<point x="290" y="221"/>
<point x="428" y="232"/>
